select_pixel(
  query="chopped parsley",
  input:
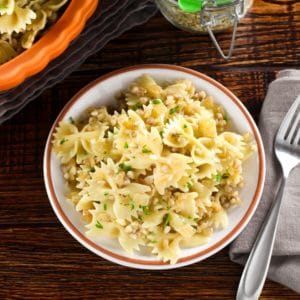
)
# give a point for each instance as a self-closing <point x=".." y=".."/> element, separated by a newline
<point x="156" y="101"/>
<point x="146" y="150"/>
<point x="99" y="225"/>
<point x="167" y="218"/>
<point x="218" y="177"/>
<point x="126" y="145"/>
<point x="125" y="167"/>
<point x="161" y="200"/>
<point x="189" y="185"/>
<point x="161" y="133"/>
<point x="140" y="217"/>
<point x="131" y="203"/>
<point x="146" y="209"/>
<point x="105" y="206"/>
<point x="153" y="242"/>
<point x="62" y="141"/>
<point x="71" y="120"/>
<point x="174" y="110"/>
<point x="184" y="126"/>
<point x="225" y="117"/>
<point x="106" y="193"/>
<point x="92" y="169"/>
<point x="136" y="106"/>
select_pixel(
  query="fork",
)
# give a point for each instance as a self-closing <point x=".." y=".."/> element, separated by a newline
<point x="287" y="151"/>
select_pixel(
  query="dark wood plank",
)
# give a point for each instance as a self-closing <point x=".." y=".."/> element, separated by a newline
<point x="36" y="265"/>
<point x="38" y="258"/>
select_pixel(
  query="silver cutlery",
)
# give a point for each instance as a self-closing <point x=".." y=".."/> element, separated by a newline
<point x="287" y="151"/>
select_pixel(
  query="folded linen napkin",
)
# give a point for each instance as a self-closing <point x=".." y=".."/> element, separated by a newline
<point x="285" y="262"/>
<point x="111" y="19"/>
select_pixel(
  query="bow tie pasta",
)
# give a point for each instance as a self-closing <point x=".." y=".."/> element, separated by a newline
<point x="21" y="21"/>
<point x="159" y="173"/>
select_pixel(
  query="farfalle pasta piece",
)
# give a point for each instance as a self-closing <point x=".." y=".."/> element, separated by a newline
<point x="194" y="241"/>
<point x="153" y="90"/>
<point x="53" y="5"/>
<point x="168" y="249"/>
<point x="39" y="23"/>
<point x="185" y="204"/>
<point x="169" y="170"/>
<point x="7" y="52"/>
<point x="17" y="21"/>
<point x="7" y="7"/>
<point x="178" y="133"/>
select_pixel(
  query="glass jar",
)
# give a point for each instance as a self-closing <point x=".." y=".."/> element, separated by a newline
<point x="212" y="17"/>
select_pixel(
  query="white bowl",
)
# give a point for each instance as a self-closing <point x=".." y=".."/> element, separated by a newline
<point x="102" y="92"/>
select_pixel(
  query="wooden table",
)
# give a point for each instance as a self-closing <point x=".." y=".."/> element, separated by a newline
<point x="38" y="258"/>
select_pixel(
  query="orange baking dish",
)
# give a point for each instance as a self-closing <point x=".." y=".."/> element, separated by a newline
<point x="49" y="46"/>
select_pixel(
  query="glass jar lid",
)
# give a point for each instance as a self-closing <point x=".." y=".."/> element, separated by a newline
<point x="214" y="13"/>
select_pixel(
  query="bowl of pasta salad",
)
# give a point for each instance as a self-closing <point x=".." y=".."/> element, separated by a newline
<point x="154" y="166"/>
<point x="34" y="32"/>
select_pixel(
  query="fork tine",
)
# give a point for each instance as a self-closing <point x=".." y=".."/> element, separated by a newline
<point x="297" y="138"/>
<point x="293" y="129"/>
<point x="287" y="119"/>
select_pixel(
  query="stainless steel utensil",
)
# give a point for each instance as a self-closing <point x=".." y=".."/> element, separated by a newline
<point x="287" y="150"/>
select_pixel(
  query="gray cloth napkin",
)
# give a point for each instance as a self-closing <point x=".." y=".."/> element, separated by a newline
<point x="285" y="262"/>
<point x="111" y="19"/>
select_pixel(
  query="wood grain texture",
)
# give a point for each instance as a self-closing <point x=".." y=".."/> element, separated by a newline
<point x="38" y="258"/>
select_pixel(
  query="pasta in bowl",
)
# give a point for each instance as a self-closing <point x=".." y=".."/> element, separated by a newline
<point x="151" y="183"/>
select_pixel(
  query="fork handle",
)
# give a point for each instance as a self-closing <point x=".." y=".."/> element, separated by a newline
<point x="256" y="268"/>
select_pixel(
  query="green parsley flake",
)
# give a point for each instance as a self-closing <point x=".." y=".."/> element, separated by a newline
<point x="106" y="193"/>
<point x="174" y="110"/>
<point x="105" y="206"/>
<point x="136" y="106"/>
<point x="218" y="177"/>
<point x="99" y="225"/>
<point x="225" y="117"/>
<point x="184" y="126"/>
<point x="126" y="145"/>
<point x="161" y="133"/>
<point x="92" y="169"/>
<point x="156" y="101"/>
<point x="62" y="141"/>
<point x="146" y="150"/>
<point x="125" y="167"/>
<point x="146" y="209"/>
<point x="167" y="218"/>
<point x="131" y="203"/>
<point x="153" y="242"/>
<point x="71" y="120"/>
<point x="189" y="185"/>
